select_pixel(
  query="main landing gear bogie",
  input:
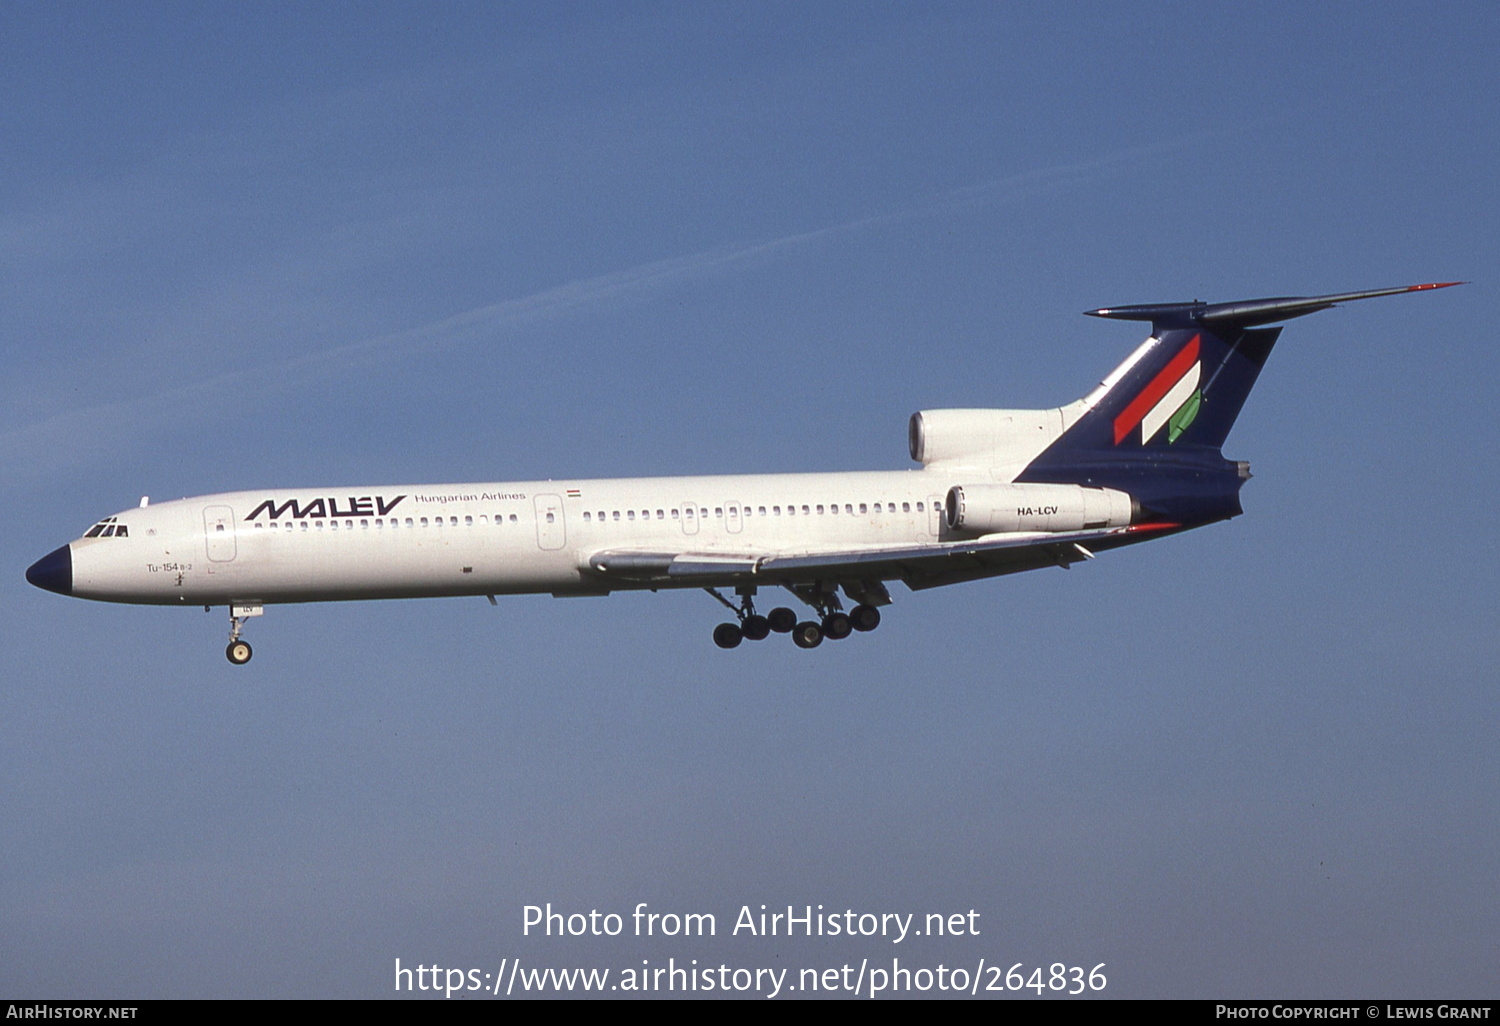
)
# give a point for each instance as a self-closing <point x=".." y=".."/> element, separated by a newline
<point x="832" y="623"/>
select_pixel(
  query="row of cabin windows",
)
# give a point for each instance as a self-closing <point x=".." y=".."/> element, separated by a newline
<point x="806" y="509"/>
<point x="393" y="522"/>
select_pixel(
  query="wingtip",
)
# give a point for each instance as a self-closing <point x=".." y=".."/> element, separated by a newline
<point x="1434" y="285"/>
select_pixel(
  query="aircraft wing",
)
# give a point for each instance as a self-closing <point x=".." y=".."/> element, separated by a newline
<point x="925" y="565"/>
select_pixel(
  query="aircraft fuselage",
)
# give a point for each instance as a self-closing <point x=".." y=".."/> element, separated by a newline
<point x="411" y="541"/>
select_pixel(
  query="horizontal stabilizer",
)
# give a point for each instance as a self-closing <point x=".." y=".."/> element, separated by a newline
<point x="1246" y="313"/>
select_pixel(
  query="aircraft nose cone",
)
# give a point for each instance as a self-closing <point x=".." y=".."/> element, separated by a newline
<point x="54" y="571"/>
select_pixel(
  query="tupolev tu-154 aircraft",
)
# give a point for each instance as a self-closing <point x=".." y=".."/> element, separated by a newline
<point x="998" y="492"/>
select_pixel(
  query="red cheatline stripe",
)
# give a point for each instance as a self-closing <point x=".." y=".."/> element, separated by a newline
<point x="1152" y="393"/>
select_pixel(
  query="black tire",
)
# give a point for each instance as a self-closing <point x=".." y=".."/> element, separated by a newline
<point x="864" y="618"/>
<point x="836" y="626"/>
<point x="807" y="635"/>
<point x="782" y="620"/>
<point x="728" y="635"/>
<point x="756" y="628"/>
<point x="238" y="652"/>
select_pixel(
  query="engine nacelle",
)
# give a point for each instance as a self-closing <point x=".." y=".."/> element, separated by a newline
<point x="998" y="508"/>
<point x="935" y="436"/>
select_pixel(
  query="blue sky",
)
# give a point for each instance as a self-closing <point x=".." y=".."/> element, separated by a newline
<point x="360" y="244"/>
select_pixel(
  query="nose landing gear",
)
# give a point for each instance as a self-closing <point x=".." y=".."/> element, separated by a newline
<point x="239" y="652"/>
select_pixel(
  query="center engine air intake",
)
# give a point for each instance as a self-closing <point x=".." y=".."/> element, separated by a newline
<point x="994" y="509"/>
<point x="985" y="436"/>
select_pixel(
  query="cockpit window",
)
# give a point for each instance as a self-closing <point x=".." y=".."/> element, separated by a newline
<point x="108" y="528"/>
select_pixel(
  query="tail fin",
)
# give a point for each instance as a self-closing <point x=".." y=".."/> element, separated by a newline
<point x="1190" y="385"/>
<point x="1155" y="426"/>
<point x="1183" y="389"/>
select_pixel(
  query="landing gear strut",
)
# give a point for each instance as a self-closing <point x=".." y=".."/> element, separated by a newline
<point x="751" y="624"/>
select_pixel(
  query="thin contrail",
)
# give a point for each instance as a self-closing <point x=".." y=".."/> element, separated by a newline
<point x="76" y="427"/>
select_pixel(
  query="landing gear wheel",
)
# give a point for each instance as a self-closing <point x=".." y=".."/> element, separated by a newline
<point x="726" y="635"/>
<point x="807" y="635"/>
<point x="864" y="618"/>
<point x="756" y="628"/>
<point x="836" y="626"/>
<point x="782" y="620"/>
<point x="239" y="652"/>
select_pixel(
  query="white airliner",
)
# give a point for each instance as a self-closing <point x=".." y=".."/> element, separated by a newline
<point x="999" y="491"/>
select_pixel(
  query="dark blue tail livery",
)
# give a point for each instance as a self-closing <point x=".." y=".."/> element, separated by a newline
<point x="1156" y="432"/>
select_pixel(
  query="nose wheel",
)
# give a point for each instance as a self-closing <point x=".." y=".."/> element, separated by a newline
<point x="239" y="652"/>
